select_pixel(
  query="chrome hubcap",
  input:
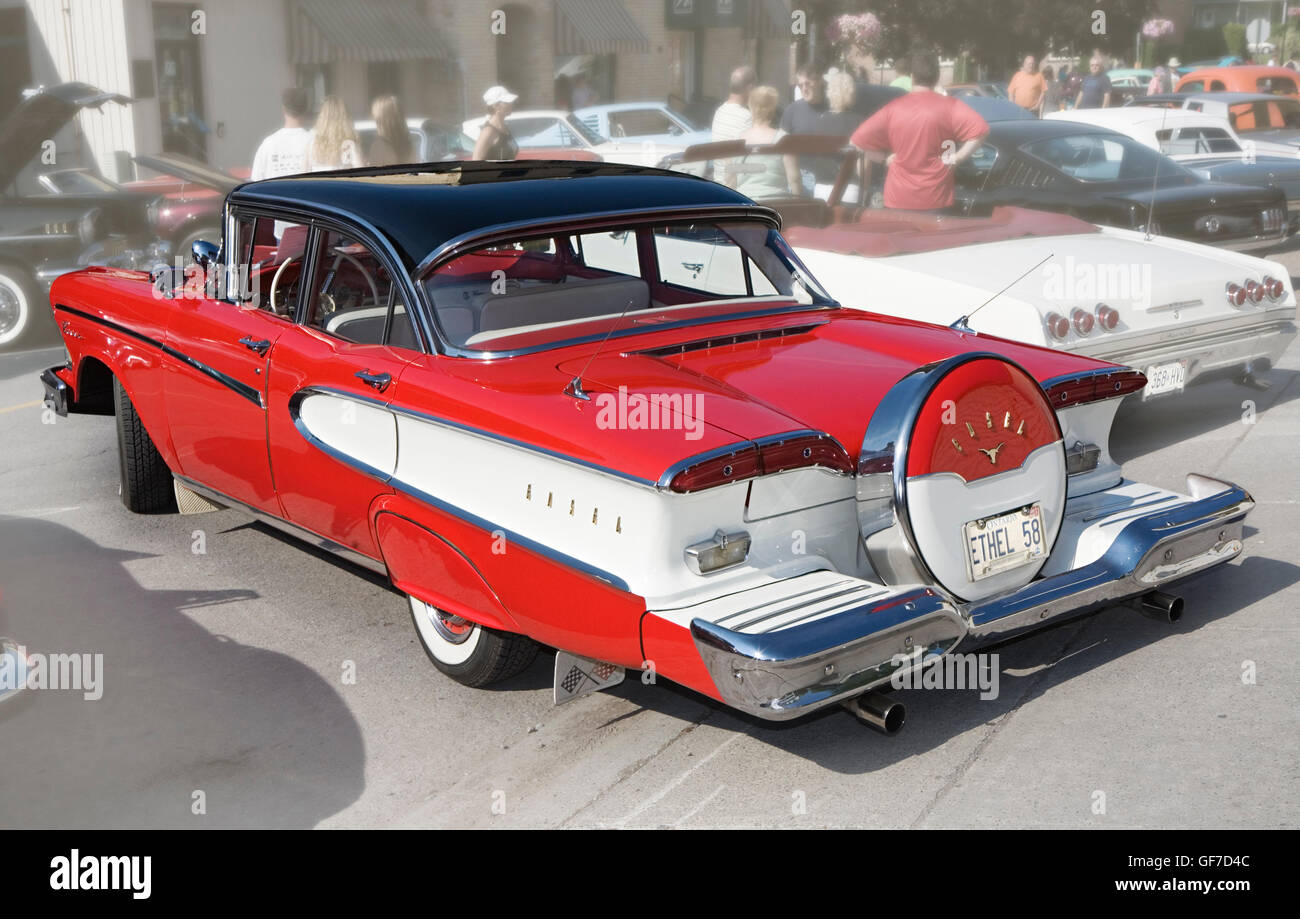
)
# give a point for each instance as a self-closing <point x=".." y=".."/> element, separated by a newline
<point x="10" y="309"/>
<point x="450" y="628"/>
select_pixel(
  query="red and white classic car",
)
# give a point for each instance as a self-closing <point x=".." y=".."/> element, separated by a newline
<point x="553" y="425"/>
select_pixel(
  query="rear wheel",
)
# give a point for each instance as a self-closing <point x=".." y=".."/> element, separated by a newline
<point x="146" y="480"/>
<point x="467" y="652"/>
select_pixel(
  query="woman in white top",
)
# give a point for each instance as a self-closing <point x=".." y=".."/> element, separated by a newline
<point x="334" y="143"/>
<point x="765" y="175"/>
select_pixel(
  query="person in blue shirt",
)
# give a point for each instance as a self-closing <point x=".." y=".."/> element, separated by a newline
<point x="1095" y="90"/>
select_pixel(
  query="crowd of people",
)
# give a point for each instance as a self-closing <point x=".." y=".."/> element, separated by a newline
<point x="331" y="143"/>
<point x="922" y="136"/>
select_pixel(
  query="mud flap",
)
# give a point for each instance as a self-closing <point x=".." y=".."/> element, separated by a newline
<point x="189" y="502"/>
<point x="577" y="676"/>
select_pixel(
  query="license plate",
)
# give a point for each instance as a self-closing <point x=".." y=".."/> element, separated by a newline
<point x="1004" y="541"/>
<point x="1165" y="378"/>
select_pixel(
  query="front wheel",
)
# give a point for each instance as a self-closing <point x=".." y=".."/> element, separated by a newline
<point x="467" y="652"/>
<point x="146" y="480"/>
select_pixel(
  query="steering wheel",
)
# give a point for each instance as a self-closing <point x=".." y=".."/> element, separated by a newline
<point x="370" y="281"/>
<point x="338" y="257"/>
<point x="275" y="282"/>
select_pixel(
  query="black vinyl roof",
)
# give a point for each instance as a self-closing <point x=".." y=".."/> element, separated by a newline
<point x="420" y="207"/>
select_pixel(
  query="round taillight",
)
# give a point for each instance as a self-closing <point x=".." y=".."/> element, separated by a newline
<point x="1255" y="291"/>
<point x="1274" y="288"/>
<point x="1057" y="326"/>
<point x="1082" y="320"/>
<point x="1107" y="317"/>
<point x="1236" y="295"/>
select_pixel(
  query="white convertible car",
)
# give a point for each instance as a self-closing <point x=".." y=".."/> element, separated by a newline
<point x="1178" y="311"/>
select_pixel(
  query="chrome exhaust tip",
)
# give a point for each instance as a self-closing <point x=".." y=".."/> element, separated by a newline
<point x="876" y="710"/>
<point x="1159" y="606"/>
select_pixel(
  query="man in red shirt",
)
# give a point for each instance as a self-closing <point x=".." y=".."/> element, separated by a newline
<point x="922" y="137"/>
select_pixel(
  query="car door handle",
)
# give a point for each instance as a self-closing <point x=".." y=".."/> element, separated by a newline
<point x="379" y="381"/>
<point x="260" y="345"/>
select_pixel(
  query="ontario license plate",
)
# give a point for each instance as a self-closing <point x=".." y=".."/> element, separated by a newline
<point x="1165" y="378"/>
<point x="1004" y="541"/>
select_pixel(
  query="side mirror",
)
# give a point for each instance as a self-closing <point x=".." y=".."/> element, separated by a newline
<point x="204" y="253"/>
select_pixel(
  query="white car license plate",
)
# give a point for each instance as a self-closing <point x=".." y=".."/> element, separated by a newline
<point x="1165" y="378"/>
<point x="1004" y="541"/>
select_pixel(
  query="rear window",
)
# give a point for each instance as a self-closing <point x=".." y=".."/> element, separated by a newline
<point x="1102" y="158"/>
<point x="537" y="291"/>
<point x="1278" y="86"/>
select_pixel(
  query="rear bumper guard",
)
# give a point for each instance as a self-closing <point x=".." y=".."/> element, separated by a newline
<point x="786" y="673"/>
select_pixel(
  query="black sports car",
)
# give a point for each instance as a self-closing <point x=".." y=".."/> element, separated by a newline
<point x="1108" y="178"/>
<point x="55" y="220"/>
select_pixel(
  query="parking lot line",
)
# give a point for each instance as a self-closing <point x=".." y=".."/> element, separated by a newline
<point x="15" y="408"/>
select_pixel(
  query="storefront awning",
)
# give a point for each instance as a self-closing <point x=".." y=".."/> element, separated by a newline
<point x="324" y="31"/>
<point x="596" y="27"/>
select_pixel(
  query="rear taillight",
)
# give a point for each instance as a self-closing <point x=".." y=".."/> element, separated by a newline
<point x="1236" y="295"/>
<point x="1255" y="291"/>
<point x="1058" y="326"/>
<point x="774" y="454"/>
<point x="1092" y="386"/>
<point x="1107" y="317"/>
<point x="717" y="470"/>
<point x="1274" y="289"/>
<point x="1082" y="322"/>
<point x="803" y="450"/>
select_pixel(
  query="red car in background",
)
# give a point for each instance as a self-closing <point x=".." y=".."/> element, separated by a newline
<point x="1243" y="78"/>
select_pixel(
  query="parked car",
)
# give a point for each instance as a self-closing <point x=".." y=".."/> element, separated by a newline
<point x="53" y="220"/>
<point x="1179" y="311"/>
<point x="639" y="122"/>
<point x="1182" y="313"/>
<point x="553" y="130"/>
<point x="1270" y="123"/>
<point x="1108" y="178"/>
<point x="1206" y="145"/>
<point x="191" y="207"/>
<point x="1131" y="77"/>
<point x="586" y="405"/>
<point x="989" y="90"/>
<point x="991" y="109"/>
<point x="1244" y="78"/>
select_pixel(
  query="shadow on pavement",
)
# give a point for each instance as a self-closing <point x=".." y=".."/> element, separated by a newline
<point x="269" y="742"/>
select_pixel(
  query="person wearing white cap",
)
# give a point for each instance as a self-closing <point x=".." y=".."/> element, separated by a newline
<point x="495" y="142"/>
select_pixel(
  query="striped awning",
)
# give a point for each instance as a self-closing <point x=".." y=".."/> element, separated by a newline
<point x="769" y="19"/>
<point x="596" y="27"/>
<point x="324" y="31"/>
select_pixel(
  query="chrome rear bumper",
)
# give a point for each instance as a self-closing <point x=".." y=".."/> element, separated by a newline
<point x="794" y="670"/>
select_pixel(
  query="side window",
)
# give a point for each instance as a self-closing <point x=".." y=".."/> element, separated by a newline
<point x="614" y="252"/>
<point x="972" y="172"/>
<point x="1217" y="86"/>
<point x="701" y="258"/>
<point x="1193" y="87"/>
<point x="266" y="262"/>
<point x="353" y="296"/>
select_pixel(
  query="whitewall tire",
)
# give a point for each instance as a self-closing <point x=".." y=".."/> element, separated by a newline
<point x="16" y="305"/>
<point x="469" y="653"/>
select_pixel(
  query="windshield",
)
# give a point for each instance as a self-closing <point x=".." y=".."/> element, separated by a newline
<point x="1103" y="158"/>
<point x="537" y="291"/>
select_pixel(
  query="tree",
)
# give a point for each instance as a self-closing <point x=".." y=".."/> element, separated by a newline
<point x="999" y="34"/>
